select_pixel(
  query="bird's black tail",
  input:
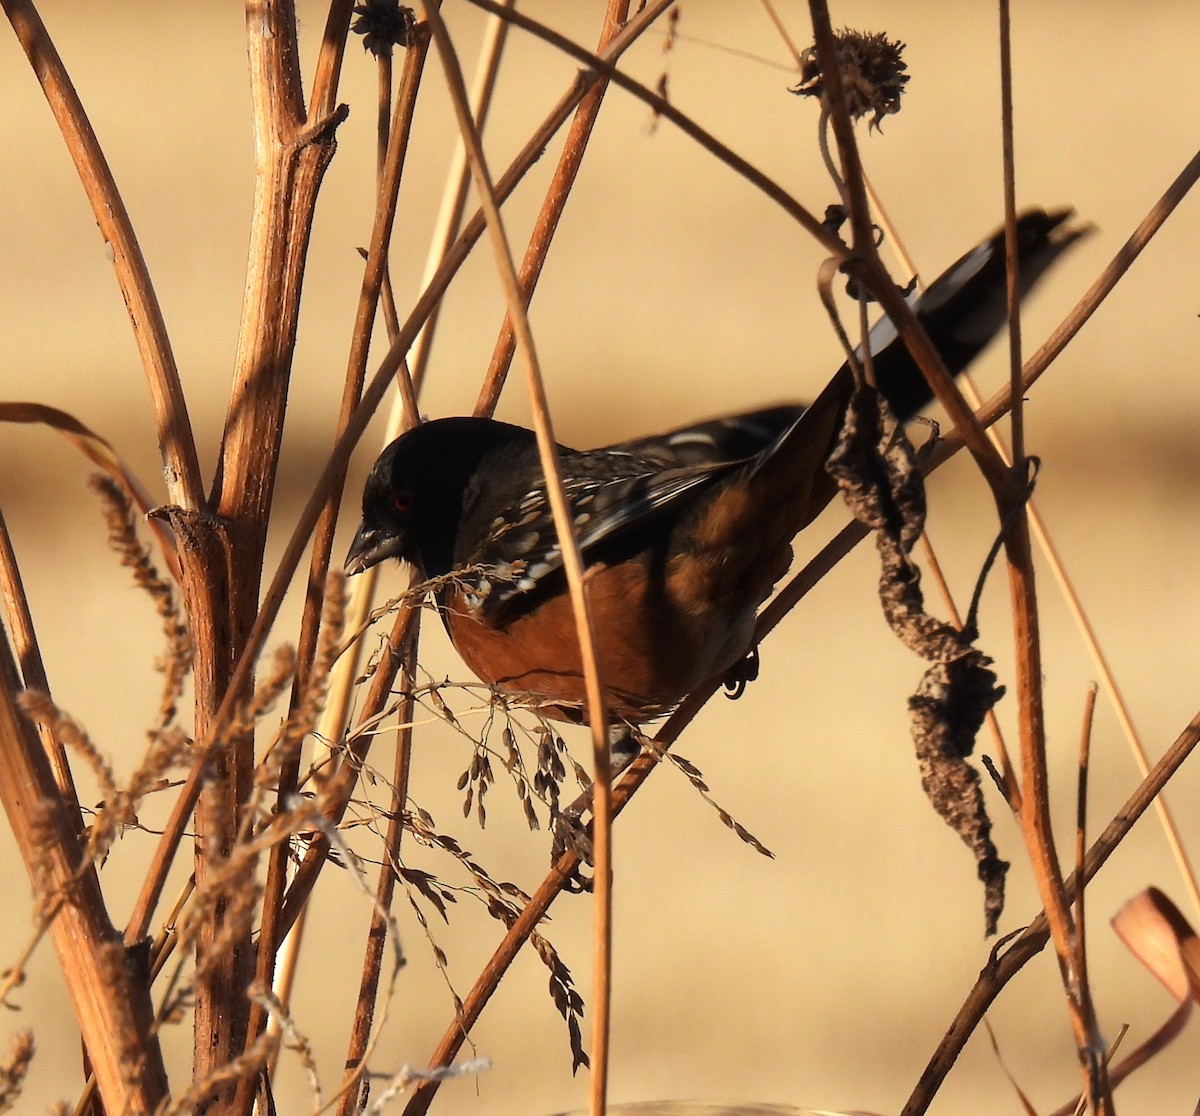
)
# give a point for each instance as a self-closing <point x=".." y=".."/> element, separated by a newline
<point x="962" y="311"/>
<point x="966" y="306"/>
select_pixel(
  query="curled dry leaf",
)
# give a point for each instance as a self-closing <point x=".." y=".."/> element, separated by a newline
<point x="1157" y="934"/>
<point x="876" y="468"/>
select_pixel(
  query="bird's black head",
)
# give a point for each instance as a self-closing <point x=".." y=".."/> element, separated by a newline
<point x="413" y="499"/>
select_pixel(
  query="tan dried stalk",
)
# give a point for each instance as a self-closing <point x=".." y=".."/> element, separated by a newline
<point x="597" y="713"/>
<point x="551" y="211"/>
<point x="112" y="1006"/>
<point x="364" y="1012"/>
<point x="33" y="670"/>
<point x="1034" y="807"/>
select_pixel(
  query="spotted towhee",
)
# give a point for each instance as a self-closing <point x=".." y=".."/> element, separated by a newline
<point x="683" y="534"/>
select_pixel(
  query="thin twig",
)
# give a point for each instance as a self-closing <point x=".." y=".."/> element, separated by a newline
<point x="1034" y="811"/>
<point x="1012" y="278"/>
<point x="454" y="195"/>
<point x="364" y="1012"/>
<point x="1081" y="805"/>
<point x="597" y="712"/>
<point x="553" y="204"/>
<point x="538" y="248"/>
<point x="328" y="71"/>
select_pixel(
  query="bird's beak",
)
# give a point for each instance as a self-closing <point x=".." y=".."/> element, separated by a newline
<point x="371" y="546"/>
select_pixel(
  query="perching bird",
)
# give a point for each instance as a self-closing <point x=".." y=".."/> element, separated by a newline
<point x="683" y="535"/>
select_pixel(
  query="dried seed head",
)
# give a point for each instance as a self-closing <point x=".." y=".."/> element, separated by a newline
<point x="384" y="24"/>
<point x="873" y="74"/>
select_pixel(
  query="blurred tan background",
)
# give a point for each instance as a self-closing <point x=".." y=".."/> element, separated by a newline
<point x="675" y="291"/>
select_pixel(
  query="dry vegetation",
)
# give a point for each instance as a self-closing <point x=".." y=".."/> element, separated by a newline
<point x="275" y="761"/>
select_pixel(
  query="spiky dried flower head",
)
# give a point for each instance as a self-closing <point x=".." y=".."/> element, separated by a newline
<point x="384" y="24"/>
<point x="873" y="74"/>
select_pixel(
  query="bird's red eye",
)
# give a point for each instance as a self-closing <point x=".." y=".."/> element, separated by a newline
<point x="402" y="501"/>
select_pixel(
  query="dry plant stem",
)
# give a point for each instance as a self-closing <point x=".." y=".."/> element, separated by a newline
<point x="269" y="937"/>
<point x="572" y="561"/>
<point x="160" y="953"/>
<point x="383" y="110"/>
<point x="454" y="194"/>
<point x="548" y="216"/>
<point x="1034" y="814"/>
<point x="111" y="998"/>
<point x="1012" y="286"/>
<point x="853" y="186"/>
<point x="1034" y="807"/>
<point x="323" y="98"/>
<point x="364" y="1013"/>
<point x="31" y="667"/>
<point x="1085" y="748"/>
<point x="178" y="446"/>
<point x="1001" y="969"/>
<point x="291" y="154"/>
<point x="373" y="393"/>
